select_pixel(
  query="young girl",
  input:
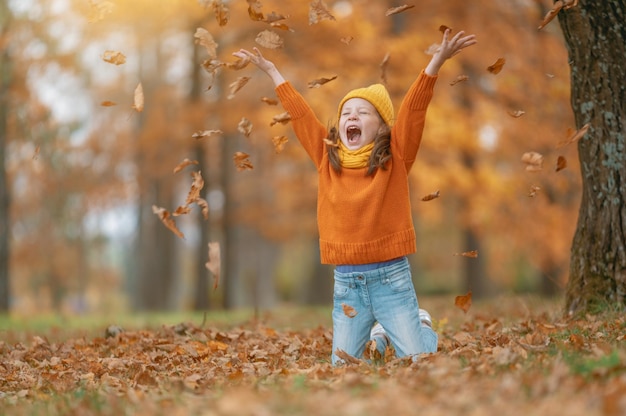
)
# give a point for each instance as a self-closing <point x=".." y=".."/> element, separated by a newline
<point x="364" y="213"/>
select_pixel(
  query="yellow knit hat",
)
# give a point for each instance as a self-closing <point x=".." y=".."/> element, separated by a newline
<point x="377" y="95"/>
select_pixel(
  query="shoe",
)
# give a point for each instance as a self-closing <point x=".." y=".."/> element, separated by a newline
<point x="425" y="318"/>
<point x="378" y="331"/>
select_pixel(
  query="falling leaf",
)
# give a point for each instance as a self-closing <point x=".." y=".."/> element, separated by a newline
<point x="204" y="38"/>
<point x="443" y="28"/>
<point x="533" y="191"/>
<point x="330" y="143"/>
<point x="556" y="8"/>
<point x="399" y="9"/>
<point x="279" y="143"/>
<point x="458" y="79"/>
<point x="383" y="68"/>
<point x="269" y="101"/>
<point x="245" y="127"/>
<point x="431" y="196"/>
<point x="107" y="103"/>
<point x="561" y="163"/>
<point x="497" y="66"/>
<point x="347" y="39"/>
<point x="36" y="154"/>
<point x="167" y="219"/>
<point x="348" y="310"/>
<point x="182" y="165"/>
<point x="221" y="12"/>
<point x="516" y="113"/>
<point x="240" y="63"/>
<point x="181" y="210"/>
<point x="471" y="254"/>
<point x="196" y="187"/>
<point x="347" y="357"/>
<point x="98" y="10"/>
<point x="204" y="206"/>
<point x="254" y="10"/>
<point x="236" y="86"/>
<point x="282" y="118"/>
<point x="316" y="83"/>
<point x="533" y="161"/>
<point x="318" y="12"/>
<point x="281" y="26"/>
<point x="274" y="17"/>
<point x="138" y="98"/>
<point x="214" y="263"/>
<point x="575" y="136"/>
<point x="242" y="162"/>
<point x="114" y="57"/>
<point x="269" y="40"/>
<point x="205" y="133"/>
<point x="463" y="302"/>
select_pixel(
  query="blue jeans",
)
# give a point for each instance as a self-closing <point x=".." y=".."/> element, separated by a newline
<point x="386" y="295"/>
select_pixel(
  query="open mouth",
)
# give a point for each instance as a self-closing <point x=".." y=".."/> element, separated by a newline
<point x="353" y="134"/>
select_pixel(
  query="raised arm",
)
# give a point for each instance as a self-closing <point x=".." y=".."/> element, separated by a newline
<point x="263" y="64"/>
<point x="447" y="49"/>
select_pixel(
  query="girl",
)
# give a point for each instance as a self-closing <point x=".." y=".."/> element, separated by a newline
<point x="364" y="213"/>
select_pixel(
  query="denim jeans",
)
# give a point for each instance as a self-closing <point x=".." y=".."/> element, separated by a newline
<point x="386" y="295"/>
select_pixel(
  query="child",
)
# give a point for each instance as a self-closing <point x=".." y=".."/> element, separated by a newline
<point x="364" y="213"/>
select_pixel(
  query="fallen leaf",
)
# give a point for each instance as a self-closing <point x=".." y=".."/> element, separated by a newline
<point x="497" y="66"/>
<point x="204" y="206"/>
<point x="399" y="9"/>
<point x="245" y="127"/>
<point x="214" y="263"/>
<point x="383" y="68"/>
<point x="575" y="136"/>
<point x="274" y="17"/>
<point x="347" y="357"/>
<point x="282" y="118"/>
<point x="318" y="12"/>
<point x="242" y="162"/>
<point x="533" y="161"/>
<point x="463" y="302"/>
<point x="236" y="86"/>
<point x="516" y="113"/>
<point x="167" y="220"/>
<point x="205" y="133"/>
<point x="279" y="143"/>
<point x="108" y="103"/>
<point x="458" y="79"/>
<point x="182" y="165"/>
<point x="269" y="101"/>
<point x="431" y="196"/>
<point x="561" y="163"/>
<point x="316" y="83"/>
<point x="348" y="310"/>
<point x="471" y="254"/>
<point x="269" y="40"/>
<point x="556" y="8"/>
<point x="204" y="38"/>
<point x="114" y="57"/>
<point x="138" y="98"/>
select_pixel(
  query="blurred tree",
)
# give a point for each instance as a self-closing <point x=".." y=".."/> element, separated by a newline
<point x="595" y="34"/>
<point x="5" y="84"/>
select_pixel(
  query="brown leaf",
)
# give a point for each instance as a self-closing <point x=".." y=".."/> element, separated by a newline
<point x="254" y="10"/>
<point x="182" y="165"/>
<point x="241" y="161"/>
<point x="274" y="17"/>
<point x="201" y="202"/>
<point x="431" y="196"/>
<point x="347" y="39"/>
<point x="108" y="103"/>
<point x="282" y="118"/>
<point x="348" y="310"/>
<point x="316" y="83"/>
<point x="471" y="254"/>
<point x="319" y="12"/>
<point x="347" y="357"/>
<point x="138" y="98"/>
<point x="204" y="38"/>
<point x="331" y="143"/>
<point x="383" y="68"/>
<point x="533" y="161"/>
<point x="98" y="10"/>
<point x="240" y="63"/>
<point x="214" y="263"/>
<point x="561" y="163"/>
<point x="497" y="66"/>
<point x="269" y="101"/>
<point x="399" y="9"/>
<point x="279" y="143"/>
<point x="236" y="86"/>
<point x="181" y="210"/>
<point x="516" y="113"/>
<point x="556" y="8"/>
<point x="458" y="79"/>
<point x="205" y="133"/>
<point x="221" y="12"/>
<point x="443" y="28"/>
<point x="245" y="127"/>
<point x="114" y="57"/>
<point x="463" y="302"/>
<point x="167" y="220"/>
<point x="533" y="191"/>
<point x="575" y="136"/>
<point x="269" y="40"/>
<point x="196" y="187"/>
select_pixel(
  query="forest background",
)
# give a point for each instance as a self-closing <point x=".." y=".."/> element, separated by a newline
<point x="86" y="156"/>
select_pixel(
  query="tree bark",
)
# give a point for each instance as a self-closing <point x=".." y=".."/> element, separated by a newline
<point x="595" y="36"/>
<point x="5" y="82"/>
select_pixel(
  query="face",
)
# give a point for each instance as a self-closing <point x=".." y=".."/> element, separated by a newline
<point x="359" y="123"/>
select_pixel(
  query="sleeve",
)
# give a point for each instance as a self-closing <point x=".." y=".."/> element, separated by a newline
<point x="309" y="130"/>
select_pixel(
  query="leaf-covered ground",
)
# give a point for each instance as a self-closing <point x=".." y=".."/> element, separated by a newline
<point x="508" y="356"/>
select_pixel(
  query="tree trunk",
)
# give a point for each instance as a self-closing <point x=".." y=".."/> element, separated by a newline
<point x="595" y="36"/>
<point x="5" y="82"/>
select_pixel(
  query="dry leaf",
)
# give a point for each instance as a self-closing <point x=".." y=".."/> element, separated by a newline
<point x="236" y="86"/>
<point x="399" y="9"/>
<point x="138" y="98"/>
<point x="516" y="113"/>
<point x="316" y="83"/>
<point x="533" y="191"/>
<point x="458" y="79"/>
<point x="245" y="127"/>
<point x="221" y="12"/>
<point x="214" y="263"/>
<point x="204" y="38"/>
<point x="575" y="136"/>
<point x="331" y="143"/>
<point x="181" y="210"/>
<point x="281" y="26"/>
<point x="201" y="202"/>
<point x="497" y="66"/>
<point x="431" y="196"/>
<point x="269" y="101"/>
<point x="443" y="28"/>
<point x="254" y="10"/>
<point x="205" y="133"/>
<point x="269" y="40"/>
<point x="561" y="163"/>
<point x="108" y="103"/>
<point x="242" y="162"/>
<point x="556" y="8"/>
<point x="383" y="68"/>
<point x="282" y="118"/>
<point x="471" y="254"/>
<point x="533" y="161"/>
<point x="240" y="63"/>
<point x="347" y="39"/>
<point x="463" y="302"/>
<point x="279" y="143"/>
<point x="114" y="57"/>
<point x="196" y="187"/>
<point x="167" y="219"/>
<point x="98" y="9"/>
<point x="347" y="357"/>
<point x="348" y="310"/>
<point x="182" y="165"/>
<point x="273" y="17"/>
<point x="318" y="12"/>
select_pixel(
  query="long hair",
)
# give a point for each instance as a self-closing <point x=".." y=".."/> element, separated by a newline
<point x="381" y="152"/>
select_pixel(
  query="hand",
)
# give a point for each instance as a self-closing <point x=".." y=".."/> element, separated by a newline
<point x="262" y="63"/>
<point x="448" y="49"/>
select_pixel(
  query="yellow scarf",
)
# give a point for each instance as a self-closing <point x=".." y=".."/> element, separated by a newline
<point x="353" y="159"/>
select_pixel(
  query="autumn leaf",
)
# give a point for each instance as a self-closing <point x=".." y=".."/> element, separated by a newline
<point x="221" y="12"/>
<point x="254" y="10"/>
<point x="431" y="196"/>
<point x="556" y="8"/>
<point x="497" y="66"/>
<point x="269" y="101"/>
<point x="318" y="12"/>
<point x="383" y="68"/>
<point x="108" y="103"/>
<point x="240" y="63"/>
<point x="471" y="254"/>
<point x="346" y="39"/>
<point x="204" y="38"/>
<point x="443" y="28"/>
<point x="274" y="17"/>
<point x="316" y="83"/>
<point x="181" y="210"/>
<point x="516" y="113"/>
<point x="242" y="162"/>
<point x="205" y="133"/>
<point x="196" y="187"/>
<point x="282" y="118"/>
<point x="167" y="220"/>
<point x="214" y="263"/>
<point x="458" y="79"/>
<point x="575" y="136"/>
<point x="98" y="9"/>
<point x="269" y="40"/>
<point x="395" y="10"/>
<point x="561" y="163"/>
<point x="245" y="127"/>
<point x="138" y="98"/>
<point x="347" y="357"/>
<point x="279" y="143"/>
<point x="331" y="143"/>
<point x="204" y="206"/>
<point x="114" y="57"/>
<point x="182" y="165"/>
<point x="533" y="191"/>
<point x="281" y="26"/>
<point x="348" y="310"/>
<point x="463" y="302"/>
<point x="533" y="161"/>
<point x="236" y="86"/>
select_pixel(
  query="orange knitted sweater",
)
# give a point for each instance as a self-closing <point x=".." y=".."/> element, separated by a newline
<point x="364" y="219"/>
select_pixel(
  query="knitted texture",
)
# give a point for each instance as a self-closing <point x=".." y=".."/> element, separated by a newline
<point x="377" y="95"/>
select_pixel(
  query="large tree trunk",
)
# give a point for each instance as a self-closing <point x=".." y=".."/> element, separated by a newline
<point x="5" y="82"/>
<point x="595" y="34"/>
